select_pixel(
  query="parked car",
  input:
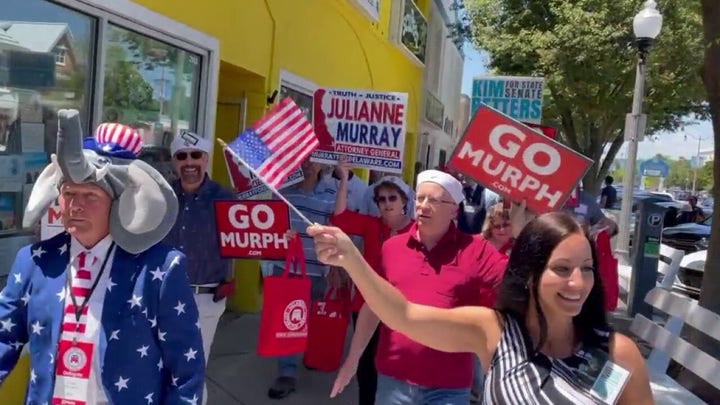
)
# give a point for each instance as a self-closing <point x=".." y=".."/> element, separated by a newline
<point x="689" y="237"/>
<point x="676" y="206"/>
<point x="641" y="195"/>
<point x="690" y="274"/>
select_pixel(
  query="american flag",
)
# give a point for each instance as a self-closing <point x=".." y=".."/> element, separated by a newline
<point x="276" y="145"/>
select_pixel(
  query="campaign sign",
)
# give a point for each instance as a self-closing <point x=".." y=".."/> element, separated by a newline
<point x="517" y="97"/>
<point x="517" y="162"/>
<point x="550" y="132"/>
<point x="366" y="126"/>
<point x="252" y="229"/>
<point x="51" y="223"/>
<point x="246" y="184"/>
<point x="574" y="200"/>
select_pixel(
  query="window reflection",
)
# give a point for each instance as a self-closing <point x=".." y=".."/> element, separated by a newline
<point x="152" y="86"/>
<point x="303" y="100"/>
<point x="149" y="84"/>
<point x="44" y="66"/>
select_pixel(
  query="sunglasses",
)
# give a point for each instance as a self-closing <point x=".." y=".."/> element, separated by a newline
<point x="195" y="155"/>
<point x="382" y="198"/>
<point x="501" y="226"/>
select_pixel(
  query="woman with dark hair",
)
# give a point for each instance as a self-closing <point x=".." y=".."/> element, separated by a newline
<point x="391" y="197"/>
<point x="548" y="325"/>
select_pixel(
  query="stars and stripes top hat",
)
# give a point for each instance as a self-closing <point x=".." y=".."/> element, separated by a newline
<point x="115" y="140"/>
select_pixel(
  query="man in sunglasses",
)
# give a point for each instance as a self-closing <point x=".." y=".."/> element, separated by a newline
<point x="195" y="233"/>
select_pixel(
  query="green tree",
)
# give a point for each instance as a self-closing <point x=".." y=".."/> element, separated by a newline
<point x="705" y="176"/>
<point x="680" y="173"/>
<point x="126" y="92"/>
<point x="126" y="88"/>
<point x="710" y="290"/>
<point x="152" y="54"/>
<point x="585" y="50"/>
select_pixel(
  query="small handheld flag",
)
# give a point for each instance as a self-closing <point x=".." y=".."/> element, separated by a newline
<point x="276" y="146"/>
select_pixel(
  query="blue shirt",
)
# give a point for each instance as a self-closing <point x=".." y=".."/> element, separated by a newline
<point x="195" y="232"/>
<point x="317" y="206"/>
<point x="356" y="190"/>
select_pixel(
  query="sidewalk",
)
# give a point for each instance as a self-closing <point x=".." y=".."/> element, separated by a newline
<point x="237" y="376"/>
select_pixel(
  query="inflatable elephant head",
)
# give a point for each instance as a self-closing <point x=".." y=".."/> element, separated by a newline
<point x="144" y="206"/>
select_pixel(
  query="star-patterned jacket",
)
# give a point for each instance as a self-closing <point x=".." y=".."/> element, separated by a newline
<point x="150" y="347"/>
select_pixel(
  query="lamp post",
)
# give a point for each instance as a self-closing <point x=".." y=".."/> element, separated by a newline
<point x="646" y="27"/>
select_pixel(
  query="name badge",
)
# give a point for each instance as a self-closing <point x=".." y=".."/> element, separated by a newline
<point x="604" y="379"/>
<point x="610" y="382"/>
<point x="72" y="373"/>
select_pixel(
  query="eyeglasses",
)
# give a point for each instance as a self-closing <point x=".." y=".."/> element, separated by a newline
<point x="195" y="155"/>
<point x="431" y="200"/>
<point x="381" y="198"/>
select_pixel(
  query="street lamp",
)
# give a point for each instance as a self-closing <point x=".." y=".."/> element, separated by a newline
<point x="646" y="26"/>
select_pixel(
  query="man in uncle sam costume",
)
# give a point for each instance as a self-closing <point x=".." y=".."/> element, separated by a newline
<point x="107" y="311"/>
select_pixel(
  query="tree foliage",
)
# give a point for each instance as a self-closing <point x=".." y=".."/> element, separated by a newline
<point x="585" y="50"/>
<point x="682" y="174"/>
<point x="125" y="86"/>
<point x="126" y="91"/>
<point x="710" y="291"/>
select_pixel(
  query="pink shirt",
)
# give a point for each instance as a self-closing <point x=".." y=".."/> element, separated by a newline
<point x="460" y="270"/>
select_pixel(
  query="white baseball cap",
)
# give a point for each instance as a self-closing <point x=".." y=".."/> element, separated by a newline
<point x="189" y="141"/>
<point x="447" y="181"/>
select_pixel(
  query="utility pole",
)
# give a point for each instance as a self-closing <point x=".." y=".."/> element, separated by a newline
<point x="696" y="162"/>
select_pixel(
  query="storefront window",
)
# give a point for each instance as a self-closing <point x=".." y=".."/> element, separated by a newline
<point x="149" y="83"/>
<point x="44" y="66"/>
<point x="303" y="100"/>
<point x="152" y="86"/>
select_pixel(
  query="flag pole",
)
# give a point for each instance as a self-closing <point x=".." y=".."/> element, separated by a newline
<point x="271" y="188"/>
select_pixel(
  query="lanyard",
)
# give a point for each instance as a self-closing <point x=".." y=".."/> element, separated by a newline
<point x="78" y="309"/>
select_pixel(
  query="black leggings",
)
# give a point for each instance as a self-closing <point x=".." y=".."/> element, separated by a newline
<point x="366" y="373"/>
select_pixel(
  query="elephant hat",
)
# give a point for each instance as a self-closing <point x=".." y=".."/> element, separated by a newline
<point x="144" y="206"/>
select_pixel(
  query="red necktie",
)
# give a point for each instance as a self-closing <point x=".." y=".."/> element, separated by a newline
<point x="80" y="288"/>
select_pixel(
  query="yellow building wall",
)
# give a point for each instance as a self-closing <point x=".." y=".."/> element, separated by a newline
<point x="13" y="389"/>
<point x="327" y="42"/>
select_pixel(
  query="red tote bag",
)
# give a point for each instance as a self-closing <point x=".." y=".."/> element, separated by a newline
<point x="608" y="270"/>
<point x="328" y="329"/>
<point x="286" y="299"/>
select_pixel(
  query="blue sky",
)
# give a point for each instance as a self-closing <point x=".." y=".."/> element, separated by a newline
<point x="672" y="144"/>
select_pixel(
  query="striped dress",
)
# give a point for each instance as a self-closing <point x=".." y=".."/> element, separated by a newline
<point x="517" y="377"/>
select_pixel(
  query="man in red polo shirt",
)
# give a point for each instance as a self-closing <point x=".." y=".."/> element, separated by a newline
<point x="433" y="264"/>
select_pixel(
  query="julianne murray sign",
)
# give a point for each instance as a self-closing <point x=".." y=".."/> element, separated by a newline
<point x="517" y="162"/>
<point x="252" y="229"/>
<point x="366" y="126"/>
